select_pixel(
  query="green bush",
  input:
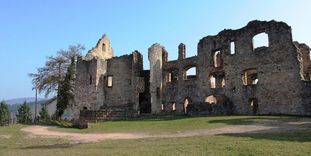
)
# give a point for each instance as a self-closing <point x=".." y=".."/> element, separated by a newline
<point x="24" y="114"/>
<point x="44" y="115"/>
<point x="4" y="114"/>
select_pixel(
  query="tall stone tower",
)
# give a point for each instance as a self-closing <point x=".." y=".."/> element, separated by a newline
<point x="156" y="56"/>
<point x="89" y="92"/>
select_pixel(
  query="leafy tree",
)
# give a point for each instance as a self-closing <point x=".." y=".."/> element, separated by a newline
<point x="44" y="115"/>
<point x="66" y="90"/>
<point x="4" y="114"/>
<point x="24" y="114"/>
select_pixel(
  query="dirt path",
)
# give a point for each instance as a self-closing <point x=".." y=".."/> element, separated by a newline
<point x="262" y="126"/>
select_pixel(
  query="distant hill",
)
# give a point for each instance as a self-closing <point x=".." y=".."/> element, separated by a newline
<point x="21" y="100"/>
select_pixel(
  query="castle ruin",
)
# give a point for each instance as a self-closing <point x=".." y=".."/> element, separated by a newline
<point x="231" y="76"/>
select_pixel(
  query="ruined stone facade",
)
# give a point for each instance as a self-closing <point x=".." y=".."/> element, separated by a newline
<point x="231" y="76"/>
<point x="107" y="83"/>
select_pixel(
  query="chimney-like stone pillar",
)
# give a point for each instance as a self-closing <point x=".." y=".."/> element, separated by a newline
<point x="181" y="51"/>
<point x="155" y="56"/>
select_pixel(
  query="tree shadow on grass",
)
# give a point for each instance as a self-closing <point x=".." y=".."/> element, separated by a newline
<point x="52" y="146"/>
<point x="246" y="120"/>
<point x="284" y="128"/>
<point x="282" y="136"/>
<point x="154" y="118"/>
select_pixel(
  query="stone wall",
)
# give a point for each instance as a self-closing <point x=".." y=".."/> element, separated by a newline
<point x="275" y="66"/>
<point x="87" y="85"/>
<point x="254" y="80"/>
<point x="89" y="93"/>
<point x="304" y="60"/>
<point x="102" y="50"/>
<point x="92" y="92"/>
<point x="231" y="75"/>
<point x="126" y="81"/>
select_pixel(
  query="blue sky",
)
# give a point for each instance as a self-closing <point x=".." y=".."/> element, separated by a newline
<point x="34" y="29"/>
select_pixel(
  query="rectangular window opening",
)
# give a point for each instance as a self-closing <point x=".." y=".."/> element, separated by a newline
<point x="109" y="81"/>
<point x="213" y="82"/>
<point x="260" y="40"/>
<point x="169" y="77"/>
<point x="91" y="80"/>
<point x="250" y="77"/>
<point x="232" y="48"/>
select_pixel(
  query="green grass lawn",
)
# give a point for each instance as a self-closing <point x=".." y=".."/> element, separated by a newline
<point x="288" y="143"/>
<point x="168" y="124"/>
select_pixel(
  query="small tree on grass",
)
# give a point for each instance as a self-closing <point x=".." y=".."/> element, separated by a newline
<point x="24" y="114"/>
<point x="53" y="77"/>
<point x="65" y="94"/>
<point x="4" y="114"/>
<point x="44" y="115"/>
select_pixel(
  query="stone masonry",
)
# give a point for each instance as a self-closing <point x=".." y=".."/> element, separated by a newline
<point x="231" y="75"/>
<point x="107" y="83"/>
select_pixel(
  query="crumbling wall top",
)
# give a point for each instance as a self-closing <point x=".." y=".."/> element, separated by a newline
<point x="103" y="50"/>
<point x="253" y="27"/>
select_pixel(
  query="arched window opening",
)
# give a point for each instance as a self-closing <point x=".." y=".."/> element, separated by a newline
<point x="217" y="80"/>
<point x="223" y="82"/>
<point x="186" y="103"/>
<point x="253" y="102"/>
<point x="162" y="107"/>
<point x="217" y="61"/>
<point x="261" y="40"/>
<point x="84" y="108"/>
<point x="172" y="76"/>
<point x="104" y="47"/>
<point x="211" y="99"/>
<point x="190" y="74"/>
<point x="250" y="77"/>
<point x="232" y="48"/>
<point x="174" y="107"/>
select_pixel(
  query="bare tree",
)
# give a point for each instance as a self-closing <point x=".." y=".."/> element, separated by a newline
<point x="48" y="78"/>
